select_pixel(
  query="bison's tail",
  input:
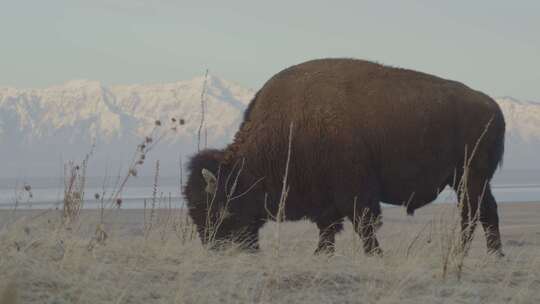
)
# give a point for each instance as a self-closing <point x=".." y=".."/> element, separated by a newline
<point x="497" y="153"/>
<point x="499" y="149"/>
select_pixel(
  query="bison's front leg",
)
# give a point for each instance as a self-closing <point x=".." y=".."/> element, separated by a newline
<point x="250" y="243"/>
<point x="327" y="236"/>
<point x="364" y="211"/>
<point x="249" y="240"/>
<point x="366" y="221"/>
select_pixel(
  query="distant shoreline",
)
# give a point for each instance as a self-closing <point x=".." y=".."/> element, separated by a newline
<point x="92" y="205"/>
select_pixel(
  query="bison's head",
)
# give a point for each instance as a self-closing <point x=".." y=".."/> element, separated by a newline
<point x="220" y="201"/>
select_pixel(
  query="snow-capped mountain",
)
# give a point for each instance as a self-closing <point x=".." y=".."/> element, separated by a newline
<point x="84" y="110"/>
<point x="522" y="133"/>
<point x="522" y="119"/>
<point x="41" y="128"/>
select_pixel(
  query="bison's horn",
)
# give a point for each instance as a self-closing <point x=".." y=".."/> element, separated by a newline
<point x="211" y="181"/>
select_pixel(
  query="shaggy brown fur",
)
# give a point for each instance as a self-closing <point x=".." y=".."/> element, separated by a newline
<point x="363" y="133"/>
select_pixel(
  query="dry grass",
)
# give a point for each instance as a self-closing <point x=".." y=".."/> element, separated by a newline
<point x="61" y="257"/>
<point x="41" y="262"/>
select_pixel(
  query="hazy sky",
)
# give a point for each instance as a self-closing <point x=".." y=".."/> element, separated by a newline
<point x="493" y="46"/>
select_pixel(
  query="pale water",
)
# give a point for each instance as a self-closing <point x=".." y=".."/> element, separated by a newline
<point x="510" y="186"/>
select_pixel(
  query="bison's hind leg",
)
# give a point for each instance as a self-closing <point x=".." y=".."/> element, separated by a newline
<point x="478" y="205"/>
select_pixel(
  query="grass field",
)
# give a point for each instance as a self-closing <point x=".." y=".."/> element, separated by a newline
<point x="155" y="258"/>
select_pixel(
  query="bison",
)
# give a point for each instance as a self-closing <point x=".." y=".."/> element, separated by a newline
<point x="339" y="136"/>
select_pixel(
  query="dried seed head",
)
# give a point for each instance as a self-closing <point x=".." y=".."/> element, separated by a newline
<point x="173" y="119"/>
<point x="140" y="162"/>
<point x="133" y="172"/>
<point x="158" y="123"/>
<point x="118" y="202"/>
<point x="27" y="188"/>
<point x="148" y="139"/>
<point x="77" y="167"/>
<point x="143" y="156"/>
<point x="96" y="196"/>
<point x="182" y="121"/>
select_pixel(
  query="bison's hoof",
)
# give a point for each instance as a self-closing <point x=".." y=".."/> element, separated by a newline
<point x="497" y="253"/>
<point x="327" y="250"/>
<point x="250" y="248"/>
<point x="377" y="251"/>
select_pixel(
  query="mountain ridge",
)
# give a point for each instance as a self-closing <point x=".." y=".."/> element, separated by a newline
<point x="64" y="118"/>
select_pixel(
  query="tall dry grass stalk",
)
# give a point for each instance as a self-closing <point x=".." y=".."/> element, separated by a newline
<point x="280" y="215"/>
<point x="456" y="239"/>
<point x="112" y="199"/>
<point x="183" y="225"/>
<point x="22" y="197"/>
<point x="74" y="189"/>
<point x="203" y="113"/>
<point x="148" y="224"/>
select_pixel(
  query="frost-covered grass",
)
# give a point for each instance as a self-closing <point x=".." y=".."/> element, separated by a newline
<point x="43" y="261"/>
